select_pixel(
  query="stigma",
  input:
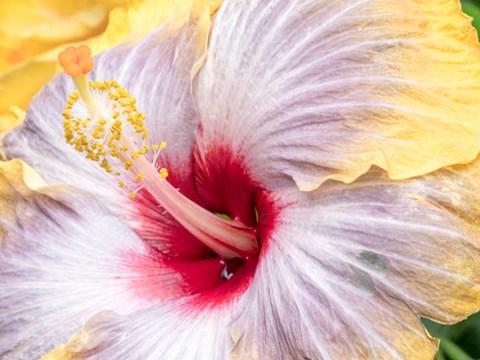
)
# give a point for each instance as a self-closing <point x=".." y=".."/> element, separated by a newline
<point x="102" y="121"/>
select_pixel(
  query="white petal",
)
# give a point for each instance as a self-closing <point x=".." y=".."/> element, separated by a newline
<point x="349" y="268"/>
<point x="63" y="258"/>
<point x="316" y="89"/>
<point x="161" y="332"/>
<point x="345" y="273"/>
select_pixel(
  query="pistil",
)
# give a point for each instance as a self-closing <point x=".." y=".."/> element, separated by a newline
<point x="227" y="238"/>
<point x="116" y="138"/>
<point x="78" y="62"/>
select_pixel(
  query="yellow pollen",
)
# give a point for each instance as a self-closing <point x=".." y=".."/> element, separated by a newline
<point x="135" y="155"/>
<point x="144" y="150"/>
<point x="163" y="172"/>
<point x="132" y="196"/>
<point x="99" y="136"/>
<point x="101" y="120"/>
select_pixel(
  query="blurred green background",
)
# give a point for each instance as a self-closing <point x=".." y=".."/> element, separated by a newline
<point x="472" y="8"/>
<point x="460" y="341"/>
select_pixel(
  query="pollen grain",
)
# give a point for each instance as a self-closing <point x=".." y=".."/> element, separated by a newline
<point x="102" y="121"/>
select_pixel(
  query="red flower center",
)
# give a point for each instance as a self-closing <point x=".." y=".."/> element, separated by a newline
<point x="221" y="185"/>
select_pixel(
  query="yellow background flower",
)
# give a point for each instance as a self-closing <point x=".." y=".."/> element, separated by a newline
<point x="32" y="33"/>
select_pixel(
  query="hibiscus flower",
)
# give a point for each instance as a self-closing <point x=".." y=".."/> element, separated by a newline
<point x="239" y="215"/>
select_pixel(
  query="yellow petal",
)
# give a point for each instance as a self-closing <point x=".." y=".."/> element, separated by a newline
<point x="139" y="18"/>
<point x="15" y="178"/>
<point x="214" y="5"/>
<point x="438" y="107"/>
<point x="10" y="118"/>
<point x="20" y="176"/>
<point x="67" y="352"/>
<point x="29" y="27"/>
<point x="18" y="86"/>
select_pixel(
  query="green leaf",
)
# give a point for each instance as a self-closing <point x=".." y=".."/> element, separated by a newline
<point x="472" y="8"/>
<point x="453" y="351"/>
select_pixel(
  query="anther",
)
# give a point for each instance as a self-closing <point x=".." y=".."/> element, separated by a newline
<point x="163" y="172"/>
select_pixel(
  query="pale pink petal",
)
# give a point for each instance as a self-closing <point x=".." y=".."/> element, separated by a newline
<point x="63" y="258"/>
<point x="350" y="268"/>
<point x="316" y="89"/>
<point x="345" y="272"/>
<point x="160" y="332"/>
